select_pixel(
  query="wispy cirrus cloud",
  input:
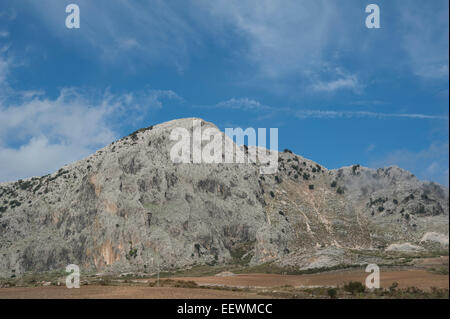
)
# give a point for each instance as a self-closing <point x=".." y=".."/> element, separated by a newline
<point x="5" y="67"/>
<point x="282" y="37"/>
<point x="245" y="104"/>
<point x="272" y="44"/>
<point x="149" y="32"/>
<point x="329" y="114"/>
<point x="8" y="13"/>
<point x="425" y="41"/>
<point x="128" y="43"/>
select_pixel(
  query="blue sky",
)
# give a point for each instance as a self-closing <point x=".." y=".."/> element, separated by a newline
<point x="339" y="93"/>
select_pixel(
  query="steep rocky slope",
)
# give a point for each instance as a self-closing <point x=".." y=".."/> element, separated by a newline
<point x="128" y="207"/>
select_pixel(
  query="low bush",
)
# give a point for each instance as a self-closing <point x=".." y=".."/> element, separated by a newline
<point x="332" y="293"/>
<point x="354" y="287"/>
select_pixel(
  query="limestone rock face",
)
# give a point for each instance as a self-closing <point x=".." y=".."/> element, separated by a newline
<point x="129" y="207"/>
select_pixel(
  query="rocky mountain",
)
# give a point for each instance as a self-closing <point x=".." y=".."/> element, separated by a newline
<point x="128" y="207"/>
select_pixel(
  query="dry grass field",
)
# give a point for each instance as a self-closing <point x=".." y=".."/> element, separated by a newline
<point x="394" y="283"/>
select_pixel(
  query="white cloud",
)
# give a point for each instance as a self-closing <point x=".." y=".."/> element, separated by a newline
<point x="4" y="34"/>
<point x="349" y="82"/>
<point x="39" y="135"/>
<point x="38" y="157"/>
<point x="129" y="43"/>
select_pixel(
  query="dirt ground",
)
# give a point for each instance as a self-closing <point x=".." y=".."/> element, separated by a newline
<point x="419" y="278"/>
<point x="406" y="278"/>
<point x="122" y="292"/>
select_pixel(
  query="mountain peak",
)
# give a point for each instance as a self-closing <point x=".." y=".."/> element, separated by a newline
<point x="128" y="203"/>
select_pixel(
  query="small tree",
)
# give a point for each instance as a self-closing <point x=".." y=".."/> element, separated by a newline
<point x="332" y="293"/>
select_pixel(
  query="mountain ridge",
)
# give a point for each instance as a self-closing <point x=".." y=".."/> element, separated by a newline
<point x="127" y="205"/>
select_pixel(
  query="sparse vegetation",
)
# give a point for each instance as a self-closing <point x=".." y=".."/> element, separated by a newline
<point x="242" y="253"/>
<point x="174" y="283"/>
<point x="25" y="185"/>
<point x="440" y="271"/>
<point x="132" y="253"/>
<point x="354" y="287"/>
<point x="134" y="135"/>
<point x="14" y="203"/>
